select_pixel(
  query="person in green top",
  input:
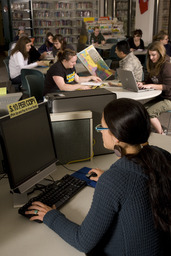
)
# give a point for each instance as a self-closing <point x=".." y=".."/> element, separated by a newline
<point x="97" y="37"/>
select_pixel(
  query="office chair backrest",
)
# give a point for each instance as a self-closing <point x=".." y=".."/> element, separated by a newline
<point x="24" y="73"/>
<point x="35" y="86"/>
<point x="6" y="62"/>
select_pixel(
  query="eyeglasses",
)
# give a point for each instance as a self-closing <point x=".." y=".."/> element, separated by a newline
<point x="99" y="128"/>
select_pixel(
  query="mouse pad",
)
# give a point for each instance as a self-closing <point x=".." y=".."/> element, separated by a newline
<point x="81" y="174"/>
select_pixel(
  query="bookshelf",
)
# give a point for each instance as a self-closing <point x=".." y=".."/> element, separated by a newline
<point x="110" y="28"/>
<point x="61" y="17"/>
<point x="21" y="15"/>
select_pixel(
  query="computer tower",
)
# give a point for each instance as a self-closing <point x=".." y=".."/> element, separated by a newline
<point x="73" y="136"/>
<point x="93" y="100"/>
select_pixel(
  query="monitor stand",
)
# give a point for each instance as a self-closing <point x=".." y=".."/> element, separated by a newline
<point x="19" y="199"/>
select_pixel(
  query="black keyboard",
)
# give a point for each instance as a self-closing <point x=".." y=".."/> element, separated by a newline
<point x="58" y="194"/>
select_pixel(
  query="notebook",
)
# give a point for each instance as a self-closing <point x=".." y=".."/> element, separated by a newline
<point x="128" y="81"/>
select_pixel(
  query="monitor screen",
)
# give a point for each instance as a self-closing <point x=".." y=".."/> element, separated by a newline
<point x="28" y="148"/>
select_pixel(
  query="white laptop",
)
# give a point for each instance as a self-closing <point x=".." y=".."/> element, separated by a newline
<point x="128" y="81"/>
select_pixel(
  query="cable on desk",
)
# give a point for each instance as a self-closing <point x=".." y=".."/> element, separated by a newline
<point x="81" y="160"/>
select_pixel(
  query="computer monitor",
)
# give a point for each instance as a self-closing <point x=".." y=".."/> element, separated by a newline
<point x="28" y="148"/>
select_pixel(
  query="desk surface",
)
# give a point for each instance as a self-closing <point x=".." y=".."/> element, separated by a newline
<point x="138" y="52"/>
<point x="122" y="93"/>
<point x="80" y="68"/>
<point x="104" y="47"/>
<point x="20" y="237"/>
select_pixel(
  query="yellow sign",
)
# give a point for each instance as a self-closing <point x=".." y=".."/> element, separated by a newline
<point x="22" y="106"/>
<point x="3" y="90"/>
<point x="89" y="19"/>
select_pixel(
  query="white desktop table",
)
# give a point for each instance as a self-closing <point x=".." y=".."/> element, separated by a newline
<point x="122" y="93"/>
<point x="19" y="236"/>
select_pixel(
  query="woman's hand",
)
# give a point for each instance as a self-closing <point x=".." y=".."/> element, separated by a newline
<point x="98" y="172"/>
<point x="39" y="209"/>
<point x="150" y="86"/>
<point x="41" y="63"/>
<point x="96" y="78"/>
<point x="85" y="87"/>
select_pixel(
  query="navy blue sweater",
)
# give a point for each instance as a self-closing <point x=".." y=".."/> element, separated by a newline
<point x="119" y="222"/>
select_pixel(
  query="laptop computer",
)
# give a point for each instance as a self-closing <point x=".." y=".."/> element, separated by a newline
<point x="128" y="81"/>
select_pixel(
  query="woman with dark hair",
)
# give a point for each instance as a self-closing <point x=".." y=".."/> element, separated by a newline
<point x="59" y="43"/>
<point x="19" y="59"/>
<point x="62" y="74"/>
<point x="130" y="213"/>
<point x="159" y="78"/>
<point x="48" y="44"/>
<point x="135" y="42"/>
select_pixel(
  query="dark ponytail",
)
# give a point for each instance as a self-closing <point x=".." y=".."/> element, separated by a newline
<point x="158" y="170"/>
<point x="129" y="122"/>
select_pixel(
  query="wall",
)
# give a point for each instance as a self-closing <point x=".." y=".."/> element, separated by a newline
<point x="145" y="21"/>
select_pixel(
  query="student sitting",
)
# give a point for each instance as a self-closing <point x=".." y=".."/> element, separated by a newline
<point x="19" y="59"/>
<point x="159" y="78"/>
<point x="59" y="43"/>
<point x="97" y="37"/>
<point x="48" y="45"/>
<point x="128" y="60"/>
<point x="21" y="30"/>
<point x="135" y="42"/>
<point x="163" y="37"/>
<point x="62" y="74"/>
<point x="130" y="210"/>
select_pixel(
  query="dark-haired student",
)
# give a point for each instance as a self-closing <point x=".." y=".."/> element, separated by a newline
<point x="19" y="59"/>
<point x="128" y="60"/>
<point x="59" y="43"/>
<point x="48" y="44"/>
<point x="135" y="42"/>
<point x="130" y="213"/>
<point x="62" y="75"/>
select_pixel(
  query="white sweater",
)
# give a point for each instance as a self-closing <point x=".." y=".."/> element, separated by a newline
<point x="17" y="62"/>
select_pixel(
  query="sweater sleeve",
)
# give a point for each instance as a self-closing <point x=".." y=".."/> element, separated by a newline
<point x="105" y="205"/>
<point x="21" y="62"/>
<point x="166" y="77"/>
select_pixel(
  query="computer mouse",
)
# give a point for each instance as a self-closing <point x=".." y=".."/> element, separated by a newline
<point x="92" y="174"/>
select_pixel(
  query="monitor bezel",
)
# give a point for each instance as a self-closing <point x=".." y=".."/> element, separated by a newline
<point x="40" y="174"/>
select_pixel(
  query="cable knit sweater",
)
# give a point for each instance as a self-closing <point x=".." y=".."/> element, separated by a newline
<point x="132" y="63"/>
<point x="119" y="222"/>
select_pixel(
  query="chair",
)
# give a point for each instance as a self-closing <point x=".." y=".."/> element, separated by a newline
<point x="35" y="85"/>
<point x="111" y="41"/>
<point x="24" y="73"/>
<point x="16" y="86"/>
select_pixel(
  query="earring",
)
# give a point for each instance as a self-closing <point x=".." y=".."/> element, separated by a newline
<point x="118" y="150"/>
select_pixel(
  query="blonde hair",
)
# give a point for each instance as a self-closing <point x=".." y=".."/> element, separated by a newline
<point x="160" y="36"/>
<point x="155" y="68"/>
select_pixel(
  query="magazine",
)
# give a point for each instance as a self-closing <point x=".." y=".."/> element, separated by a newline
<point x="94" y="63"/>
